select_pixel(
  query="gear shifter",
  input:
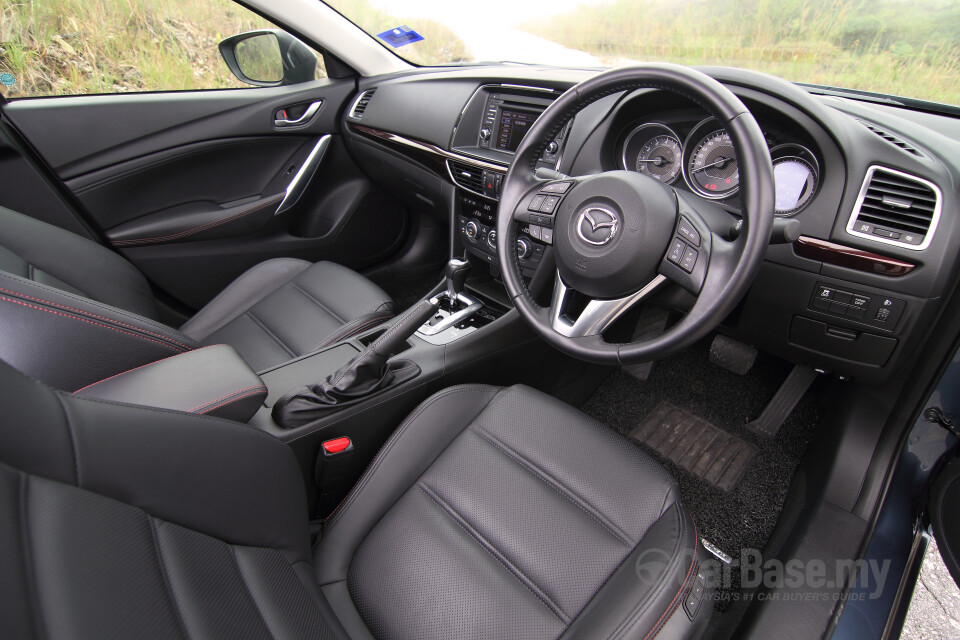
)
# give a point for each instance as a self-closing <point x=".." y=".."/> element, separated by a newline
<point x="456" y="274"/>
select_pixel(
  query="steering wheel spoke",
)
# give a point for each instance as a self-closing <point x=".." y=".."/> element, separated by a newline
<point x="597" y="315"/>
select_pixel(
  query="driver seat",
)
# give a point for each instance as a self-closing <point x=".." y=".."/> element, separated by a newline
<point x="490" y="513"/>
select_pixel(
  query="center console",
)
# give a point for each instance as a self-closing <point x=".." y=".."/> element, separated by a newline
<point x="491" y="127"/>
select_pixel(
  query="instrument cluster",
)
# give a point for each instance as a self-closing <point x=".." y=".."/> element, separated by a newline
<point x="707" y="162"/>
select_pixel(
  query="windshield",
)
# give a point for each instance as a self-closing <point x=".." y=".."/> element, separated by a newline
<point x="899" y="47"/>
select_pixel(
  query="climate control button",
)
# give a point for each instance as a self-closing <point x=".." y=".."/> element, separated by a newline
<point x="472" y="230"/>
<point x="524" y="248"/>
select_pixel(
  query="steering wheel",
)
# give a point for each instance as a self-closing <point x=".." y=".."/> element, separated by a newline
<point x="619" y="235"/>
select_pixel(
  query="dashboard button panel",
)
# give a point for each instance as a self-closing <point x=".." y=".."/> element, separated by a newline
<point x="879" y="311"/>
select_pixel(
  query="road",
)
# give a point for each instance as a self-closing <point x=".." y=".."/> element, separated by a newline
<point x="518" y="46"/>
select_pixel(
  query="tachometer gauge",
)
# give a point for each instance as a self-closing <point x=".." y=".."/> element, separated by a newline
<point x="710" y="164"/>
<point x="653" y="150"/>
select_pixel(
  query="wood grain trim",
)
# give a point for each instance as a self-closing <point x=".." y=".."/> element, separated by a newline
<point x="427" y="148"/>
<point x="844" y="256"/>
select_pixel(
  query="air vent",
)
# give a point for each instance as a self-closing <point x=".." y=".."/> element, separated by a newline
<point x="889" y="137"/>
<point x="361" y="104"/>
<point x="896" y="208"/>
<point x="467" y="176"/>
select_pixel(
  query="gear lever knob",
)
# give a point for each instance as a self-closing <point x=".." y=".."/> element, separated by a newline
<point x="456" y="274"/>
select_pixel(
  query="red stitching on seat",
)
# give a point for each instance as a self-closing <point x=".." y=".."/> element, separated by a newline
<point x="673" y="606"/>
<point x="93" y="315"/>
<point x="190" y="232"/>
<point x="253" y="390"/>
<point x="96" y="324"/>
<point x="117" y="375"/>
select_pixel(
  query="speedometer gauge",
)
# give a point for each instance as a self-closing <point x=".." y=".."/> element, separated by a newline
<point x="710" y="164"/>
<point x="653" y="150"/>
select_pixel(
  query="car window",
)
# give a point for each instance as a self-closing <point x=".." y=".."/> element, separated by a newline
<point x="72" y="47"/>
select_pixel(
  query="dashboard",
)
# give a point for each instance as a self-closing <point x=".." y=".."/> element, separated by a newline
<point x="872" y="188"/>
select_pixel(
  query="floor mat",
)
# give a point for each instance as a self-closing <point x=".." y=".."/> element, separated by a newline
<point x="745" y="516"/>
<point x="694" y="444"/>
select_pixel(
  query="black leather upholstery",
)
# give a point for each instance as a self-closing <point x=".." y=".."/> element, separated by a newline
<point x="69" y="340"/>
<point x="491" y="513"/>
<point x="62" y="260"/>
<point x="284" y="308"/>
<point x="74" y="312"/>
<point x="213" y="381"/>
<point x="127" y="522"/>
<point x="501" y="513"/>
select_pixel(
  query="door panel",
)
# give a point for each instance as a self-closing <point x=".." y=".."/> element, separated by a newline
<point x="166" y="192"/>
<point x="186" y="184"/>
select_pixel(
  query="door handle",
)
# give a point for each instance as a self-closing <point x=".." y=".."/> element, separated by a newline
<point x="300" y="181"/>
<point x="280" y="119"/>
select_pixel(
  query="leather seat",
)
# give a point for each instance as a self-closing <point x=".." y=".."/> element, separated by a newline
<point x="65" y="297"/>
<point x="491" y="513"/>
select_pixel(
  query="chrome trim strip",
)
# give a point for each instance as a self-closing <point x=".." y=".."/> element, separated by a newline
<point x="597" y="315"/>
<point x="934" y="221"/>
<point x="472" y="307"/>
<point x="427" y="147"/>
<point x="353" y="107"/>
<point x="300" y="181"/>
<point x="304" y="119"/>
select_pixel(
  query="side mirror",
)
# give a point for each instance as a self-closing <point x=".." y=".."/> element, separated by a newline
<point x="269" y="58"/>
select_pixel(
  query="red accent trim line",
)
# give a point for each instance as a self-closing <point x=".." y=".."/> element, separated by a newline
<point x="93" y="315"/>
<point x="96" y="324"/>
<point x="189" y="232"/>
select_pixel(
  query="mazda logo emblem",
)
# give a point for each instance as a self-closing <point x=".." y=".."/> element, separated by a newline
<point x="597" y="225"/>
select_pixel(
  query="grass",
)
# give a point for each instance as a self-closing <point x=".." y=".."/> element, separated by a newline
<point x="909" y="48"/>
<point x="63" y="47"/>
<point x="68" y="47"/>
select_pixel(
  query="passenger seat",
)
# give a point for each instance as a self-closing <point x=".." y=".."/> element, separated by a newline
<point x="73" y="312"/>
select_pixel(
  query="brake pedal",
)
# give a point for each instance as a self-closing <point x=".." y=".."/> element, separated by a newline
<point x="732" y="355"/>
<point x="784" y="402"/>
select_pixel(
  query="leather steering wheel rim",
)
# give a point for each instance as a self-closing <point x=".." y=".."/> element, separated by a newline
<point x="727" y="278"/>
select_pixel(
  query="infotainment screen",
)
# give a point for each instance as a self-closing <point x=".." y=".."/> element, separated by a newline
<point x="513" y="126"/>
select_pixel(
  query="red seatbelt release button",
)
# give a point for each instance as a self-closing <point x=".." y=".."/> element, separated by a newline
<point x="337" y="445"/>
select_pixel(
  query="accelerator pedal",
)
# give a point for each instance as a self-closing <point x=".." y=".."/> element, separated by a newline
<point x="732" y="355"/>
<point x="784" y="402"/>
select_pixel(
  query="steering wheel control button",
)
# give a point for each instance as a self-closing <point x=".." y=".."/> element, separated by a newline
<point x="534" y="232"/>
<point x="536" y="203"/>
<point x="337" y="445"/>
<point x="676" y="251"/>
<point x="549" y="205"/>
<point x="492" y="239"/>
<point x="689" y="232"/>
<point x="556" y="187"/>
<point x="689" y="260"/>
